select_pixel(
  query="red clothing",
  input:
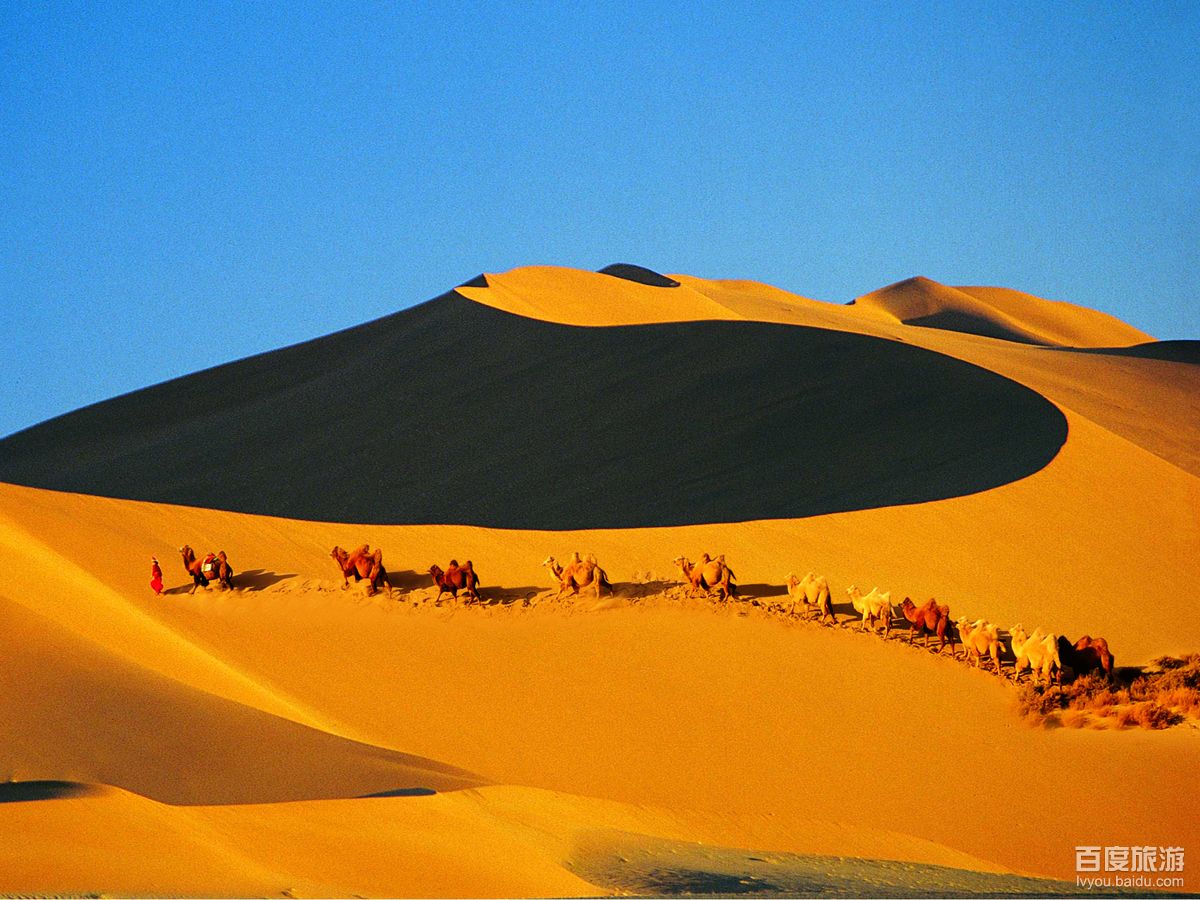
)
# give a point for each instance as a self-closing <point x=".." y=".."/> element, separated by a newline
<point x="156" y="581"/>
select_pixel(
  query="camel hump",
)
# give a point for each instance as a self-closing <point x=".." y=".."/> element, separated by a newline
<point x="468" y="565"/>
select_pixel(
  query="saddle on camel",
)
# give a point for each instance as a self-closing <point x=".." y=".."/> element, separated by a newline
<point x="213" y="567"/>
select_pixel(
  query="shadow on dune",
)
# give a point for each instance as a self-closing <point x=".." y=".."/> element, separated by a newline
<point x="456" y="413"/>
<point x="657" y="867"/>
<point x="402" y="792"/>
<point x="258" y="579"/>
<point x="25" y="791"/>
<point x="408" y="580"/>
<point x="756" y="591"/>
<point x="1167" y="351"/>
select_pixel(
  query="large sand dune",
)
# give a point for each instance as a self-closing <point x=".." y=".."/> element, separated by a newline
<point x="225" y="742"/>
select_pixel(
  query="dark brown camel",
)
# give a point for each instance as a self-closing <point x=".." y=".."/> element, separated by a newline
<point x="928" y="619"/>
<point x="363" y="565"/>
<point x="456" y="578"/>
<point x="214" y="567"/>
<point x="1084" y="656"/>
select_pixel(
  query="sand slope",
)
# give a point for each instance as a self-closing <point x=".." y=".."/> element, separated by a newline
<point x="237" y="732"/>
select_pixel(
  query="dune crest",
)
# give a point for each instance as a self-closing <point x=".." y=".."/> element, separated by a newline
<point x="998" y="313"/>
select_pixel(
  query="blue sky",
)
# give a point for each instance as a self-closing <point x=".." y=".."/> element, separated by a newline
<point x="187" y="184"/>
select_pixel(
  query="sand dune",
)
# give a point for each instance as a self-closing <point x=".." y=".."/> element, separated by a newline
<point x="222" y="742"/>
<point x="811" y="421"/>
<point x="1000" y="313"/>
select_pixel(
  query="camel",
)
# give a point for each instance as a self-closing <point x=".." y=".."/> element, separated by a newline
<point x="873" y="606"/>
<point x="578" y="574"/>
<point x="1086" y="655"/>
<point x="708" y="574"/>
<point x="362" y="564"/>
<point x="214" y="567"/>
<point x="1037" y="652"/>
<point x="929" y="618"/>
<point x="456" y="578"/>
<point x="980" y="639"/>
<point x="812" y="591"/>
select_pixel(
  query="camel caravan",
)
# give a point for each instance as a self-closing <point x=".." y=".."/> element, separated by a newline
<point x="1045" y="655"/>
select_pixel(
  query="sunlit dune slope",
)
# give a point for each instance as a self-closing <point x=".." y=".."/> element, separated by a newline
<point x="999" y="313"/>
<point x="695" y="724"/>
<point x="90" y="715"/>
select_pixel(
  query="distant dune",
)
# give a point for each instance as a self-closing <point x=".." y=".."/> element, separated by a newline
<point x="999" y="313"/>
<point x="1021" y="460"/>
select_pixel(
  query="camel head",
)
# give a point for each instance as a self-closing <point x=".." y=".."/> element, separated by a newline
<point x="435" y="570"/>
<point x="791" y="580"/>
<point x="549" y="562"/>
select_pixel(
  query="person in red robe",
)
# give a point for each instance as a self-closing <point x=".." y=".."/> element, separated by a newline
<point x="155" y="575"/>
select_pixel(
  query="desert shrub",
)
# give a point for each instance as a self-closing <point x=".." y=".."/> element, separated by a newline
<point x="1185" y="700"/>
<point x="1037" y="703"/>
<point x="1125" y="716"/>
<point x="1106" y="699"/>
<point x="1086" y="687"/>
<point x="1075" y="718"/>
<point x="1153" y="716"/>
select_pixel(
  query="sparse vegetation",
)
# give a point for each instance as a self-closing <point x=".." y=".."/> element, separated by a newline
<point x="1164" y="694"/>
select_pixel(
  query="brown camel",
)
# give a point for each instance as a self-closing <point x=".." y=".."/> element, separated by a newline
<point x="929" y="618"/>
<point x="213" y="567"/>
<point x="708" y="574"/>
<point x="578" y="574"/>
<point x="363" y="565"/>
<point x="456" y="578"/>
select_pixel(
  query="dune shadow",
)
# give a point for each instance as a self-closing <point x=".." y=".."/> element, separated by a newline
<point x="26" y="791"/>
<point x="1166" y="351"/>
<point x="657" y="867"/>
<point x="583" y="426"/>
<point x="258" y="579"/>
<point x="401" y="792"/>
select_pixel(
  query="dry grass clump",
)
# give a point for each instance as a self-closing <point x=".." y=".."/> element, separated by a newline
<point x="1164" y="694"/>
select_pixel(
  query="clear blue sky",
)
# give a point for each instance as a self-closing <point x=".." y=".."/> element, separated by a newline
<point x="186" y="184"/>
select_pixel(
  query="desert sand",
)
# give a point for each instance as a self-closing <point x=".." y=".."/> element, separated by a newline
<point x="293" y="738"/>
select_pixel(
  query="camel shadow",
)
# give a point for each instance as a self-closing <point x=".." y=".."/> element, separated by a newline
<point x="258" y="579"/>
<point x="756" y="591"/>
<point x="409" y="580"/>
<point x="635" y="590"/>
<point x="508" y="596"/>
